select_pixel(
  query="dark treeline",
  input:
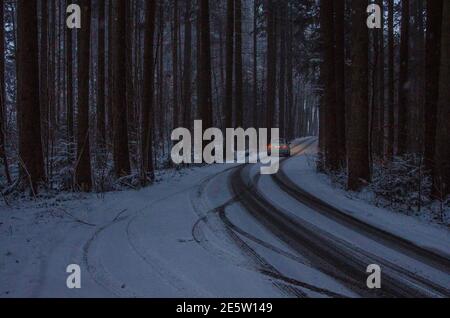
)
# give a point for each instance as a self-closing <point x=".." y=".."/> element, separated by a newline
<point x="90" y="108"/>
<point x="386" y="90"/>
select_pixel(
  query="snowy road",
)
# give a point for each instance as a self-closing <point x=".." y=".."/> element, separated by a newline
<point x="339" y="244"/>
<point x="222" y="231"/>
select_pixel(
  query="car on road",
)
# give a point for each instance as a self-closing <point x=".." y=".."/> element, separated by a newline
<point x="283" y="147"/>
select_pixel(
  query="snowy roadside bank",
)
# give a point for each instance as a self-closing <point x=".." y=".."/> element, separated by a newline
<point x="40" y="238"/>
<point x="301" y="171"/>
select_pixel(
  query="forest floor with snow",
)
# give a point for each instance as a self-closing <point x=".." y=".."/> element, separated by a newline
<point x="169" y="240"/>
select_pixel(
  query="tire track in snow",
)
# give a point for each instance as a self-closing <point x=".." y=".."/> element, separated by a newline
<point x="206" y="214"/>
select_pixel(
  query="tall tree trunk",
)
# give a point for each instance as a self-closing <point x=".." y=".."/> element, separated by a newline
<point x="290" y="78"/>
<point x="120" y="119"/>
<point x="187" y="73"/>
<point x="69" y="94"/>
<point x="30" y="144"/>
<point x="322" y="110"/>
<point x="329" y="83"/>
<point x="3" y="156"/>
<point x="339" y="27"/>
<point x="175" y="27"/>
<point x="238" y="66"/>
<point x="83" y="179"/>
<point x="148" y="93"/>
<point x="358" y="135"/>
<point x="403" y="108"/>
<point x="432" y="61"/>
<point x="101" y="116"/>
<point x="381" y="85"/>
<point x="255" y="63"/>
<point x="129" y="80"/>
<point x="161" y="70"/>
<point x="44" y="74"/>
<point x="109" y="106"/>
<point x="229" y="65"/>
<point x="282" y="75"/>
<point x="442" y="175"/>
<point x="271" y="64"/>
<point x="205" y="76"/>
<point x="391" y="83"/>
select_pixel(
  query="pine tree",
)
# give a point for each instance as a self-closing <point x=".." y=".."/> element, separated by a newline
<point x="3" y="156"/>
<point x="402" y="133"/>
<point x="30" y="144"/>
<point x="205" y="73"/>
<point x="229" y="62"/>
<point x="101" y="98"/>
<point x="69" y="94"/>
<point x="329" y="83"/>
<point x="339" y="29"/>
<point x="358" y="134"/>
<point x="433" y="54"/>
<point x="83" y="178"/>
<point x="147" y="108"/>
<point x="442" y="175"/>
<point x="120" y="118"/>
<point x="391" y="83"/>
<point x="271" y="64"/>
<point x="175" y="28"/>
<point x="282" y="64"/>
<point x="255" y="63"/>
<point x="187" y="68"/>
<point x="238" y="65"/>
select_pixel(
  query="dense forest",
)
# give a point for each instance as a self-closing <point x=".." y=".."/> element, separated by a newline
<point x="92" y="109"/>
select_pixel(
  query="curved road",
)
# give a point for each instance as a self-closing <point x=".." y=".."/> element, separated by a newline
<point x="340" y="258"/>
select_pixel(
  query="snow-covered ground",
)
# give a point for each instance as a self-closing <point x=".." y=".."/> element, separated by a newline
<point x="186" y="236"/>
<point x="129" y="244"/>
<point x="301" y="170"/>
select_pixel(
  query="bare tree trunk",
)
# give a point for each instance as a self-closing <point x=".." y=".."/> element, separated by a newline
<point x="148" y="93"/>
<point x="358" y="136"/>
<point x="255" y="63"/>
<point x="161" y="86"/>
<point x="403" y="108"/>
<point x="442" y="175"/>
<point x="205" y="84"/>
<point x="329" y="83"/>
<point x="433" y="54"/>
<point x="282" y="75"/>
<point x="44" y="75"/>
<point x="30" y="144"/>
<point x="69" y="92"/>
<point x="129" y="79"/>
<point x="83" y="179"/>
<point x="339" y="27"/>
<point x="187" y="73"/>
<point x="3" y="156"/>
<point x="229" y="65"/>
<point x="238" y="65"/>
<point x="391" y="84"/>
<point x="290" y="79"/>
<point x="101" y="116"/>
<point x="381" y="86"/>
<point x="175" y="27"/>
<point x="271" y="64"/>
<point x="120" y="120"/>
